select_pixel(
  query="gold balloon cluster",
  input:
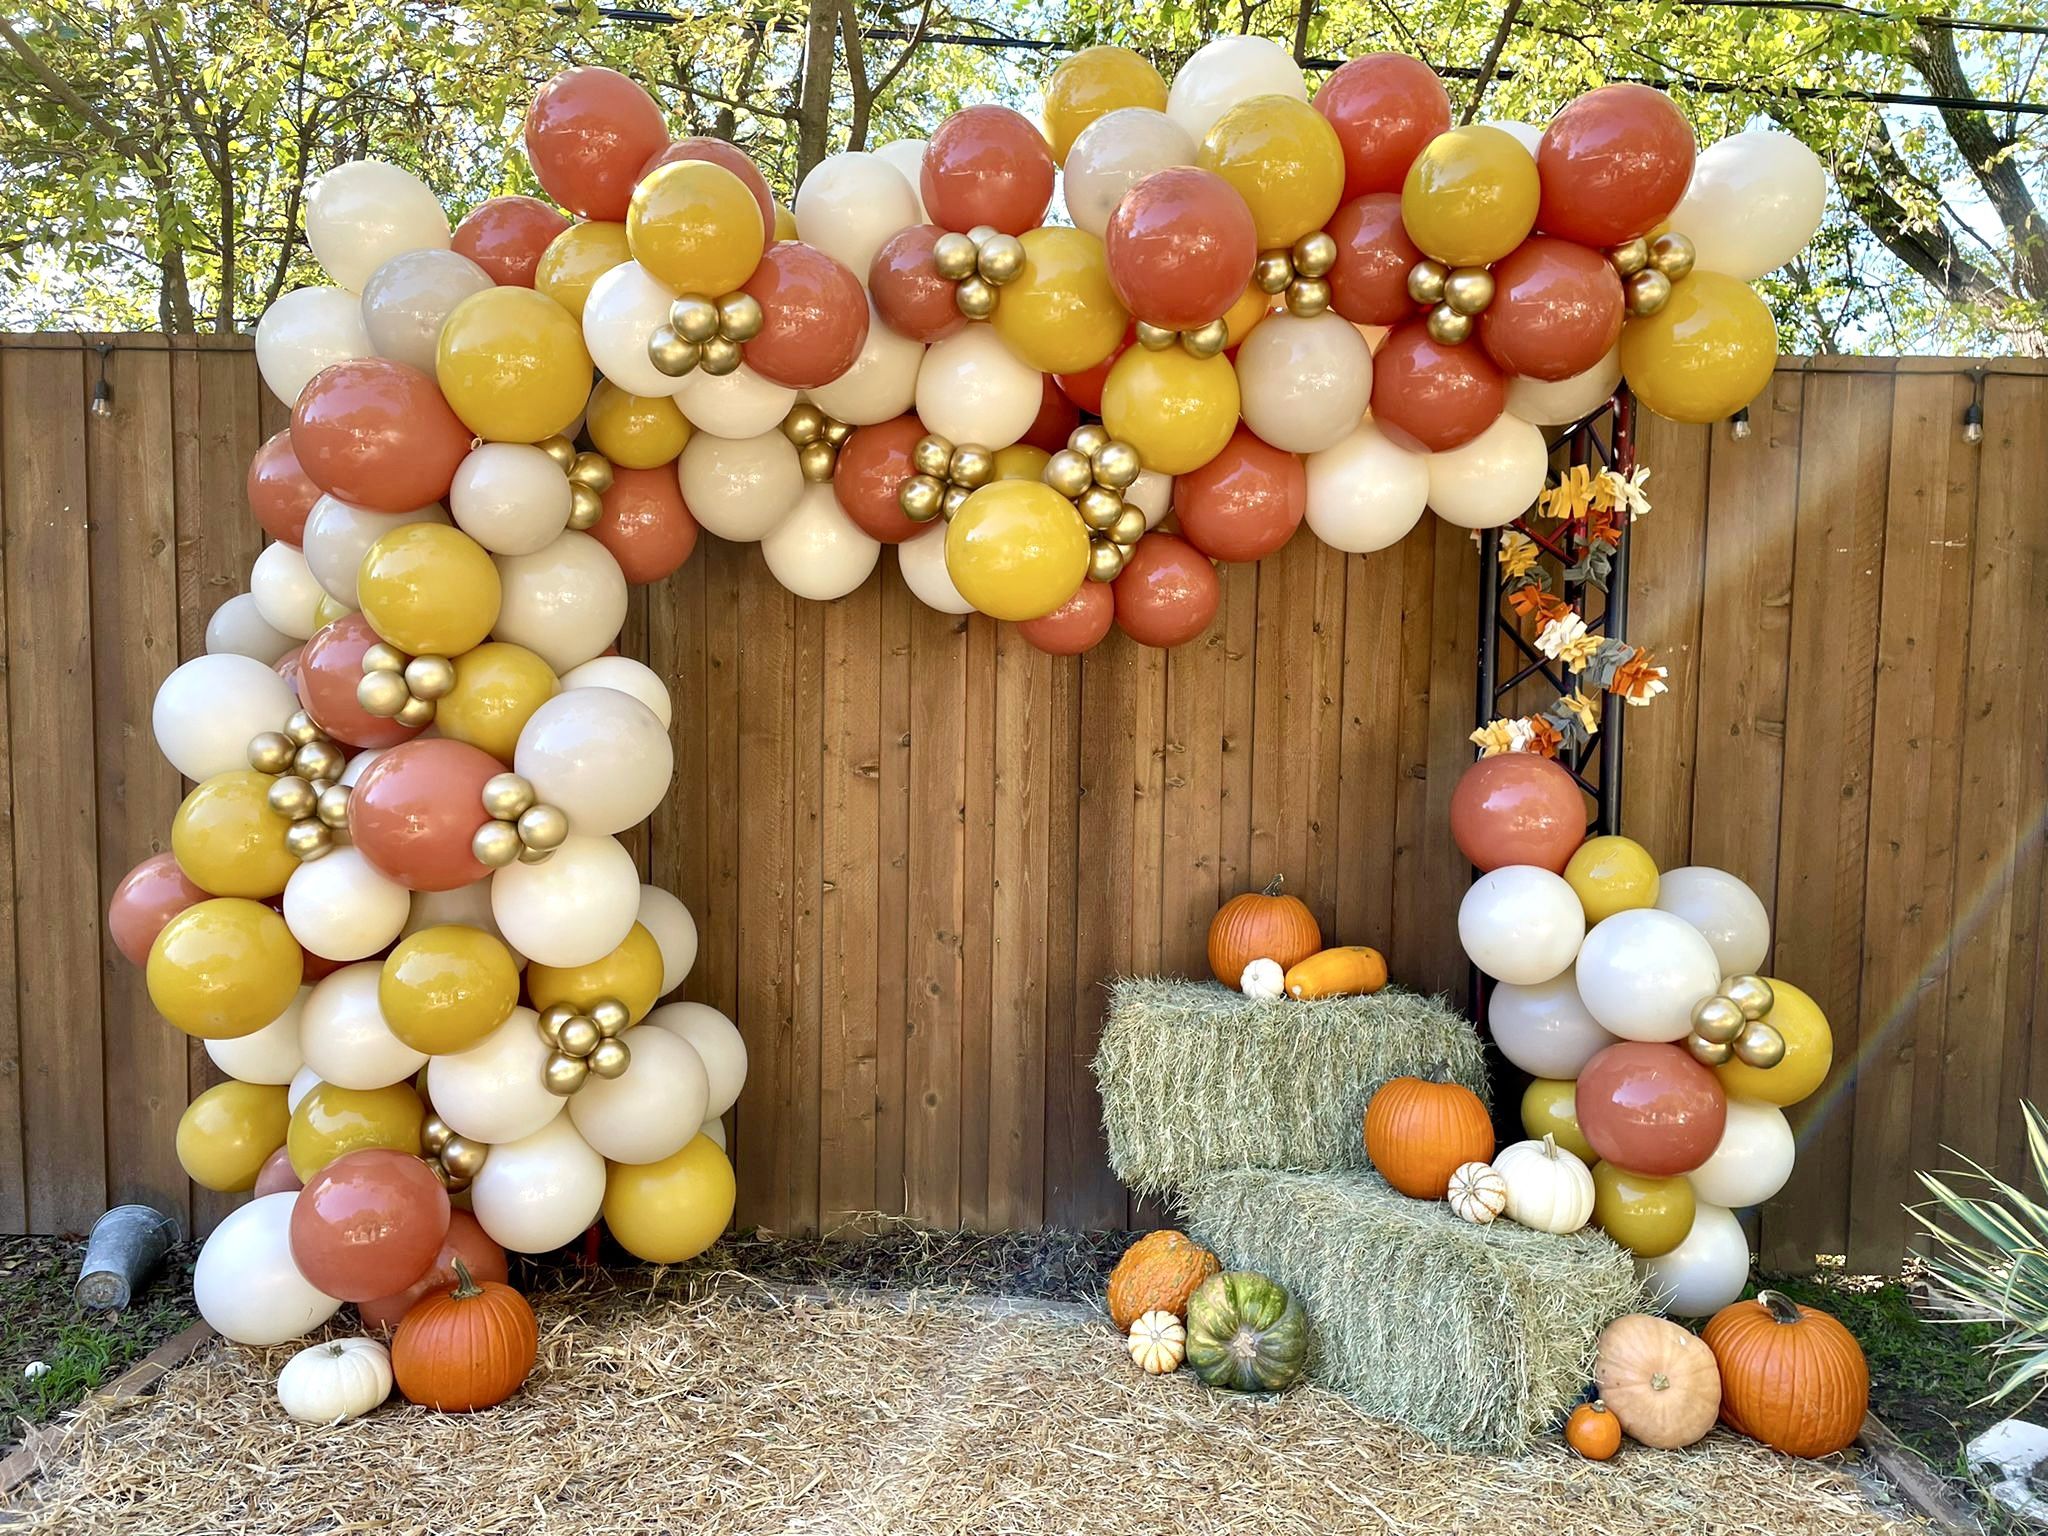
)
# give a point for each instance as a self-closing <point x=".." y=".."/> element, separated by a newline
<point x="818" y="439"/>
<point x="945" y="477"/>
<point x="1458" y="296"/>
<point x="978" y="264"/>
<point x="404" y="688"/>
<point x="1202" y="341"/>
<point x="1301" y="273"/>
<point x="590" y="476"/>
<point x="1093" y="471"/>
<point x="456" y="1160"/>
<point x="705" y="333"/>
<point x="1649" y="268"/>
<point x="520" y="826"/>
<point x="585" y="1042"/>
<point x="1734" y="1022"/>
<point x="305" y="788"/>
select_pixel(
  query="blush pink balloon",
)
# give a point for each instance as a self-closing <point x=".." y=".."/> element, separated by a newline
<point x="149" y="895"/>
<point x="280" y="494"/>
<point x="1518" y="808"/>
<point x="910" y="296"/>
<point x="1650" y="1108"/>
<point x="276" y="1176"/>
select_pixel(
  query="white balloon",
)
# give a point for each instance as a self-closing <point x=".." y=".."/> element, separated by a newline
<point x="1305" y="383"/>
<point x="627" y="676"/>
<point x="882" y="383"/>
<point x="714" y="1132"/>
<point x="286" y="594"/>
<point x="237" y="629"/>
<point x="922" y="561"/>
<point x="541" y="1191"/>
<point x="851" y="204"/>
<point x="718" y="1045"/>
<point x="303" y="1082"/>
<point x="1226" y="71"/>
<point x="736" y="404"/>
<point x="1544" y="1029"/>
<point x="1705" y="1272"/>
<point x="565" y="603"/>
<point x="363" y="213"/>
<point x="907" y="155"/>
<point x="674" y="931"/>
<point x="972" y="389"/>
<point x="1726" y="911"/>
<point x="740" y="488"/>
<point x="468" y="906"/>
<point x="1113" y="154"/>
<point x="343" y="1033"/>
<point x="575" y="908"/>
<point x="511" y="498"/>
<point x="1366" y="492"/>
<point x="1521" y="923"/>
<point x="358" y="763"/>
<point x="338" y="535"/>
<point x="271" y="1055"/>
<point x="340" y="908"/>
<point x="818" y="551"/>
<point x="1491" y="480"/>
<point x="1752" y="1161"/>
<point x="1152" y="494"/>
<point x="305" y="331"/>
<point x="495" y="1091"/>
<point x="1641" y="971"/>
<point x="626" y="306"/>
<point x="206" y="711"/>
<point x="1564" y="401"/>
<point x="408" y="298"/>
<point x="1755" y="200"/>
<point x="649" y="1111"/>
<point x="246" y="1284"/>
<point x="1528" y="135"/>
<point x="600" y="756"/>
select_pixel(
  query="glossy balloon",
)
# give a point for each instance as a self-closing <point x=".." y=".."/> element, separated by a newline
<point x="506" y="237"/>
<point x="1168" y="592"/>
<point x="873" y="462"/>
<point x="245" y="1283"/>
<point x="1366" y="492"/>
<point x="1614" y="163"/>
<point x="444" y="989"/>
<point x="331" y="1121"/>
<point x="228" y="1133"/>
<point x="407" y="301"/>
<point x="1181" y="246"/>
<point x="1544" y="1029"/>
<point x="1612" y="874"/>
<point x="344" y="1036"/>
<point x="330" y="667"/>
<point x="1705" y="1272"/>
<point x="1016" y="549"/>
<point x="1517" y="808"/>
<point x="1427" y="395"/>
<point x="364" y="212"/>
<point x="1520" y="923"/>
<point x="1061" y="313"/>
<point x="922" y="561"/>
<point x="1077" y="625"/>
<point x="280" y="492"/>
<point x="1752" y="1161"/>
<point x="571" y="265"/>
<point x="416" y="808"/>
<point x="732" y="158"/>
<point x="634" y="431"/>
<point x="498" y="686"/>
<point x="149" y="895"/>
<point x="1725" y="910"/>
<point x="1557" y="309"/>
<point x="1651" y="1108"/>
<point x="305" y="331"/>
<point x="1092" y="83"/>
<point x="1112" y="155"/>
<point x="814" y="317"/>
<point x="1567" y="400"/>
<point x="1471" y="196"/>
<point x="378" y="434"/>
<point x="1647" y="1216"/>
<point x="1386" y="108"/>
<point x="645" y="524"/>
<point x="1304" y="382"/>
<point x="1225" y="71"/>
<point x="1245" y="503"/>
<point x="429" y="590"/>
<point x="1809" y="1052"/>
<point x="672" y="1210"/>
<point x="1642" y="971"/>
<point x="1704" y="355"/>
<point x="1369" y="283"/>
<point x="1283" y="158"/>
<point x="229" y="841"/>
<point x="652" y="1110"/>
<point x="512" y="365"/>
<point x="1177" y="411"/>
<point x="1549" y="1109"/>
<point x="467" y="1241"/>
<point x="1492" y="479"/>
<point x="986" y="165"/>
<point x="588" y="133"/>
<point x="368" y="1223"/>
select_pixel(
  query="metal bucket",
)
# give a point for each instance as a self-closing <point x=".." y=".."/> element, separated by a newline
<point x="127" y="1243"/>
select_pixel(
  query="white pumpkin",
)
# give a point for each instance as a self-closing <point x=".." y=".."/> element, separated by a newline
<point x="336" y="1381"/>
<point x="1262" y="978"/>
<point x="1478" y="1193"/>
<point x="1548" y="1187"/>
<point x="1158" y="1342"/>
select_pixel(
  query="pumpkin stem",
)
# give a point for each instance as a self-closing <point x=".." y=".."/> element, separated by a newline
<point x="1781" y="1307"/>
<point x="465" y="1283"/>
<point x="1598" y="1405"/>
<point x="1273" y="886"/>
<point x="1550" y="1146"/>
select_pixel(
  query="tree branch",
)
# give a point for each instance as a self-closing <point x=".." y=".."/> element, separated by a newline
<point x="1491" y="62"/>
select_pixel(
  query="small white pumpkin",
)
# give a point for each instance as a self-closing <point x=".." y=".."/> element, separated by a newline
<point x="1263" y="978"/>
<point x="336" y="1381"/>
<point x="1549" y="1189"/>
<point x="1158" y="1342"/>
<point x="1478" y="1193"/>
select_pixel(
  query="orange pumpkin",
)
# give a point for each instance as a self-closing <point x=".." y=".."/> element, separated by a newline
<point x="1261" y="925"/>
<point x="1157" y="1274"/>
<point x="1352" y="971"/>
<point x="1417" y="1133"/>
<point x="1791" y="1376"/>
<point x="1593" y="1432"/>
<point x="469" y="1347"/>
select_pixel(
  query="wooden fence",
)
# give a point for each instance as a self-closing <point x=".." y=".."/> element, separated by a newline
<point x="915" y="847"/>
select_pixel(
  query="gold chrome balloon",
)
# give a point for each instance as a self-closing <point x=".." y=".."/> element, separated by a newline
<point x="1105" y="560"/>
<point x="551" y="1020"/>
<point x="1447" y="327"/>
<point x="1752" y="994"/>
<point x="1090" y="439"/>
<point x="919" y="497"/>
<point x="303" y="730"/>
<point x="593" y="470"/>
<point x="308" y="840"/>
<point x="578" y="1037"/>
<point x="271" y="752"/>
<point x="506" y="795"/>
<point x="560" y="449"/>
<point x="932" y="456"/>
<point x="1648" y="291"/>
<point x="610" y="1016"/>
<point x="975" y="297"/>
<point x="1116" y="465"/>
<point x="1206" y="340"/>
<point x="543" y="827"/>
<point x="609" y="1058"/>
<point x="464" y="1158"/>
<point x="1717" y="1019"/>
<point x="1099" y="507"/>
<point x="740" y="316"/>
<point x="722" y="356"/>
<point x="382" y="694"/>
<point x="954" y="255"/>
<point x="1426" y="280"/>
<point x="694" y="318"/>
<point x="837" y="432"/>
<point x="430" y="677"/>
<point x="1314" y="254"/>
<point x="1155" y="338"/>
<point x="1129" y="526"/>
<point x="1630" y="257"/>
<point x="1469" y="290"/>
<point x="495" y="844"/>
<point x="1000" y="259"/>
<point x="332" y="806"/>
<point x="1274" y="271"/>
<point x="1308" y="297"/>
<point x="671" y="354"/>
<point x="319" y="760"/>
<point x="585" y="507"/>
<point x="563" y="1075"/>
<point x="1069" y="472"/>
<point x="954" y="499"/>
<point x="817" y="460"/>
<point x="1761" y="1046"/>
<point x="434" y="1135"/>
<point x="1708" y="1053"/>
<point x="384" y="658"/>
<point x="415" y="712"/>
<point x="971" y="466"/>
<point x="805" y="423"/>
<point x="291" y="796"/>
<point x="1673" y="255"/>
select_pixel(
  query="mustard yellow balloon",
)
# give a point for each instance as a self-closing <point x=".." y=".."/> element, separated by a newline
<point x="1610" y="875"/>
<point x="224" y="968"/>
<point x="229" y="1131"/>
<point x="1252" y="306"/>
<point x="1550" y="1108"/>
<point x="332" y="1122"/>
<point x="1092" y="84"/>
<point x="631" y="973"/>
<point x="695" y="226"/>
<point x="635" y="431"/>
<point x="1707" y="353"/>
<point x="497" y="686"/>
<point x="1471" y="196"/>
<point x="1021" y="461"/>
<point x="444" y="988"/>
<point x="1646" y="1215"/>
<point x="1061" y="315"/>
<point x="512" y="364"/>
<point x="1809" y="1051"/>
<point x="785" y="223"/>
<point x="228" y="840"/>
<point x="576" y="258"/>
<point x="1283" y="158"/>
<point x="429" y="589"/>
<point x="1177" y="411"/>
<point x="1017" y="549"/>
<point x="672" y="1210"/>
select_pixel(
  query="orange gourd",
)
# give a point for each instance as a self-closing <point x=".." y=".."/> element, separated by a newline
<point x="1261" y="925"/>
<point x="1350" y="971"/>
<point x="1593" y="1432"/>
<point x="468" y="1347"/>
<point x="1157" y="1274"/>
<point x="1791" y="1376"/>
<point x="1418" y="1132"/>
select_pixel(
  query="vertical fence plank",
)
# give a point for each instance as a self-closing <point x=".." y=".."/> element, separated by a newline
<point x="892" y="899"/>
<point x="13" y="1174"/>
<point x="1019" y="918"/>
<point x="981" y="704"/>
<point x="931" y="1073"/>
<point x="1191" y="820"/>
<point x="1369" y="771"/>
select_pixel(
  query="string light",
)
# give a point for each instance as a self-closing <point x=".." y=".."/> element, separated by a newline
<point x="1973" y="413"/>
<point x="1738" y="424"/>
<point x="102" y="392"/>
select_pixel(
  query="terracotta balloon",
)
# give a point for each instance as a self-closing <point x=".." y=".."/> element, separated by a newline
<point x="506" y="236"/>
<point x="873" y="462"/>
<point x="1085" y="388"/>
<point x="1057" y="416"/>
<point x="1385" y="107"/>
<point x="733" y="158"/>
<point x="1245" y="503"/>
<point x="1651" y="1108"/>
<point x="368" y="1223"/>
<point x="280" y="493"/>
<point x="276" y="1176"/>
<point x="909" y="294"/>
<point x="588" y="133"/>
<point x="149" y="895"/>
<point x="814" y="317"/>
<point x="645" y="524"/>
<point x="1168" y="592"/>
<point x="416" y="808"/>
<point x="467" y="1241"/>
<point x="377" y="434"/>
<point x="1517" y="808"/>
<point x="1557" y="309"/>
<point x="1075" y="626"/>
<point x="1426" y="395"/>
<point x="1181" y="247"/>
<point x="1614" y="163"/>
<point x="330" y="668"/>
<point x="986" y="165"/>
<point x="1369" y="283"/>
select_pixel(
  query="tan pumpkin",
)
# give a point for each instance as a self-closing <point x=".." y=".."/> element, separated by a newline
<point x="1257" y="925"/>
<point x="1351" y="971"/>
<point x="1157" y="1274"/>
<point x="1417" y="1132"/>
<point x="1658" y="1379"/>
<point x="1791" y="1376"/>
<point x="1158" y="1342"/>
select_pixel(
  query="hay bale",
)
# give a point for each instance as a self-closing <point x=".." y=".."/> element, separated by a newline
<point x="1477" y="1337"/>
<point x="1195" y="1077"/>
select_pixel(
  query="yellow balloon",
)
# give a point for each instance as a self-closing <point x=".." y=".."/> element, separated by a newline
<point x="444" y="988"/>
<point x="1252" y="307"/>
<point x="576" y="258"/>
<point x="429" y="589"/>
<point x="1470" y="196"/>
<point x="672" y="1210"/>
<point x="1707" y="353"/>
<point x="1017" y="549"/>
<point x="512" y="364"/>
<point x="1061" y="315"/>
<point x="1092" y="84"/>
<point x="1550" y="1108"/>
<point x="785" y="223"/>
<point x="696" y="227"/>
<point x="228" y="1132"/>
<point x="631" y="973"/>
<point x="1282" y="157"/>
<point x="332" y="1122"/>
<point x="1610" y="875"/>
<point x="497" y="686"/>
<point x="1021" y="461"/>
<point x="228" y="840"/>
<point x="224" y="968"/>
<point x="635" y="431"/>
<point x="1809" y="1051"/>
<point x="1646" y="1215"/>
<point x="1177" y="411"/>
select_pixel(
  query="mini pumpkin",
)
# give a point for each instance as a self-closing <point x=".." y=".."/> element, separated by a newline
<point x="1256" y="925"/>
<point x="1658" y="1379"/>
<point x="1351" y="971"/>
<point x="336" y="1381"/>
<point x="1791" y="1376"/>
<point x="1593" y="1432"/>
<point x="1549" y="1189"/>
<point x="1245" y="1333"/>
<point x="1158" y="1342"/>
<point x="1263" y="979"/>
<point x="1477" y="1193"/>
<point x="468" y="1347"/>
<point x="1417" y="1132"/>
<point x="1157" y="1274"/>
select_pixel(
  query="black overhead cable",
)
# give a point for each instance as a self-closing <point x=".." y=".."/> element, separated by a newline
<point x="1838" y="8"/>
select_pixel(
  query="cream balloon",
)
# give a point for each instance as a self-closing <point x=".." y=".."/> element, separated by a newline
<point x="407" y="299"/>
<point x="271" y="1055"/>
<point x="1728" y="914"/>
<point x="541" y="1191"/>
<point x="364" y="212"/>
<point x="1227" y="71"/>
<point x="1703" y="1273"/>
<point x="237" y="629"/>
<point x="303" y="1082"/>
<point x="882" y="383"/>
<point x="1366" y="492"/>
<point x="649" y="1111"/>
<point x="565" y="603"/>
<point x="340" y="908"/>
<point x="286" y="593"/>
<point x="674" y="932"/>
<point x="713" y="1131"/>
<point x="1755" y="200"/>
<point x="738" y="404"/>
<point x="1305" y="383"/>
<point x="1152" y="494"/>
<point x="344" y="1036"/>
<point x="357" y="764"/>
<point x="851" y="204"/>
<point x="626" y="306"/>
<point x="907" y="155"/>
<point x="305" y="331"/>
<point x="818" y="551"/>
<point x="599" y="756"/>
<point x="1113" y="154"/>
<point x="718" y="1045"/>
<point x="1491" y="480"/>
<point x="207" y="710"/>
<point x="496" y="1091"/>
<point x="1521" y="923"/>
<point x="246" y="1284"/>
<point x="1641" y="972"/>
<point x="338" y="535"/>
<point x="739" y="489"/>
<point x="1544" y="1028"/>
<point x="1528" y="135"/>
<point x="971" y="389"/>
<point x="511" y="498"/>
<point x="922" y="560"/>
<point x="468" y="906"/>
<point x="627" y="676"/>
<point x="575" y="908"/>
<point x="1752" y="1161"/>
<point x="1564" y="401"/>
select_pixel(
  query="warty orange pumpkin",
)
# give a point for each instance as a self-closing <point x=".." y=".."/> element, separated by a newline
<point x="1157" y="1274"/>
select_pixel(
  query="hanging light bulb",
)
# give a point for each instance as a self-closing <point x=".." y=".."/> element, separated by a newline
<point x="102" y="392"/>
<point x="1738" y="424"/>
<point x="1973" y="413"/>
